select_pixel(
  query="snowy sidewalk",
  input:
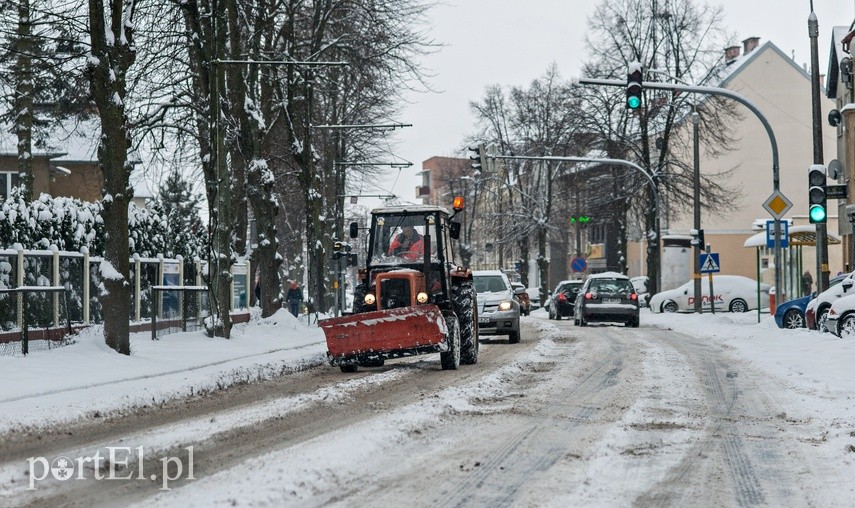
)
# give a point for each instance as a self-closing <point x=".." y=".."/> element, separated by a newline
<point x="88" y="378"/>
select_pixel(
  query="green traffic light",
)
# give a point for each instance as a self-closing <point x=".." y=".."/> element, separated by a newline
<point x="817" y="214"/>
<point x="633" y="102"/>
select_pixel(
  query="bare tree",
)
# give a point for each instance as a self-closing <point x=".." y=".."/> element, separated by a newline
<point x="677" y="38"/>
<point x="540" y="120"/>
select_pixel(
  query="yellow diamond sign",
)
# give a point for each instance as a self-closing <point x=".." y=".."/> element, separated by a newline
<point x="777" y="204"/>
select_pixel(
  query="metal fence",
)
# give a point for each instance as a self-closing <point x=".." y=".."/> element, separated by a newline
<point x="79" y="276"/>
<point x="43" y="314"/>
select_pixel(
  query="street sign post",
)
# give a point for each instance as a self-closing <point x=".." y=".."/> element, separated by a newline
<point x="777" y="204"/>
<point x="710" y="263"/>
<point x="783" y="234"/>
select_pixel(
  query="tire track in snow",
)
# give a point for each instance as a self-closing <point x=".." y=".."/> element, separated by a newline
<point x="499" y="478"/>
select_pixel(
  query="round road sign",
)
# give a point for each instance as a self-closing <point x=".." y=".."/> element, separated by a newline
<point x="578" y="264"/>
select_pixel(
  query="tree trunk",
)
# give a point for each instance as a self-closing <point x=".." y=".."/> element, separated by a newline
<point x="259" y="179"/>
<point x="315" y="227"/>
<point x="222" y="255"/>
<point x="107" y="70"/>
<point x="24" y="99"/>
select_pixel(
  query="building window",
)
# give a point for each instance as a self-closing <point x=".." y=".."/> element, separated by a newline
<point x="8" y="181"/>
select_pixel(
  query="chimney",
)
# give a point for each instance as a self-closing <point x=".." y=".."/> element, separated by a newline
<point x="731" y="53"/>
<point x="749" y="44"/>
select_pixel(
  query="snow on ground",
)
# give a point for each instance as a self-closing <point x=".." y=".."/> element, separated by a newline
<point x="86" y="378"/>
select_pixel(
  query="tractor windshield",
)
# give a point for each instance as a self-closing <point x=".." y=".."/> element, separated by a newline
<point x="400" y="239"/>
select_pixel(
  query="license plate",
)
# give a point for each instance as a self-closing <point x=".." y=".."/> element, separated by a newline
<point x="611" y="300"/>
<point x="483" y="320"/>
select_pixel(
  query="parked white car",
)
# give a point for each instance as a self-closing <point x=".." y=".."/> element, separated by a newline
<point x="820" y="305"/>
<point x="733" y="293"/>
<point x="840" y="318"/>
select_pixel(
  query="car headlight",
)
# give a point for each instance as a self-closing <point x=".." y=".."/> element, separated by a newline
<point x="369" y="299"/>
<point x="422" y="297"/>
<point x="505" y="305"/>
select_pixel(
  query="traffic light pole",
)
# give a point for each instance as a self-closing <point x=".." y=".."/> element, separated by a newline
<point x="710" y="90"/>
<point x="617" y="162"/>
<point x="822" y="271"/>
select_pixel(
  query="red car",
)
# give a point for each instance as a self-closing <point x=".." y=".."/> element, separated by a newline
<point x="523" y="298"/>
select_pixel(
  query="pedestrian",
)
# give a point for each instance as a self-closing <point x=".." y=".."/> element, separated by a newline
<point x="807" y="283"/>
<point x="294" y="297"/>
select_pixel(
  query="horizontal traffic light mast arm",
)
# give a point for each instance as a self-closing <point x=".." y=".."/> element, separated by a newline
<point x="706" y="90"/>
<point x="709" y="90"/>
<point x="617" y="162"/>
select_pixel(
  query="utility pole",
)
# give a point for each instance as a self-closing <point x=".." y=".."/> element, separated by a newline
<point x="696" y="198"/>
<point x="822" y="270"/>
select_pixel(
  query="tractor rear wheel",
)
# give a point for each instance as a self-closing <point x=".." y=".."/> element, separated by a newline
<point x="466" y="307"/>
<point x="450" y="360"/>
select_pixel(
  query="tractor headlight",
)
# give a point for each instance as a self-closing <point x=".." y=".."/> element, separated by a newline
<point x="369" y="299"/>
<point x="505" y="305"/>
<point x="422" y="297"/>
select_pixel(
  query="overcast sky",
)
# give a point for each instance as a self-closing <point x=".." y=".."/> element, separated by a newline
<point x="511" y="42"/>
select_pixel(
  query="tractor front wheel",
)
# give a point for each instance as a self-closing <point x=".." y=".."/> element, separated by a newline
<point x="466" y="306"/>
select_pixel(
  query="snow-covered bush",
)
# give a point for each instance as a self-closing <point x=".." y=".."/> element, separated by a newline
<point x="71" y="224"/>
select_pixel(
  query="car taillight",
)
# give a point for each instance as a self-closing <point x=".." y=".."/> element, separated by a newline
<point x="633" y="296"/>
<point x="588" y="296"/>
<point x="561" y="297"/>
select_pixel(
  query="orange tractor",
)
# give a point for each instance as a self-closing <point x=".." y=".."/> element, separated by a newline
<point x="411" y="299"/>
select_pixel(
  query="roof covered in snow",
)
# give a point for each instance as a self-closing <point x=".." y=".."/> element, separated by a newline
<point x="72" y="140"/>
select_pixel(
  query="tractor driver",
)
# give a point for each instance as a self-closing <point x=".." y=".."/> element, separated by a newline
<point x="408" y="244"/>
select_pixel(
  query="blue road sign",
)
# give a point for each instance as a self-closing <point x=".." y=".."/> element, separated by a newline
<point x="710" y="263"/>
<point x="578" y="264"/>
<point x="784" y="236"/>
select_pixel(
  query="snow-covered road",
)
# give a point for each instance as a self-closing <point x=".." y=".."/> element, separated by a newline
<point x="598" y="416"/>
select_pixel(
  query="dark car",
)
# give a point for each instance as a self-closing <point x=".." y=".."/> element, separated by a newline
<point x="561" y="300"/>
<point x="607" y="297"/>
<point x="791" y="314"/>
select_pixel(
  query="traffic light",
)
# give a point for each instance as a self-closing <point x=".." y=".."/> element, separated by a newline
<point x="698" y="239"/>
<point x="479" y="158"/>
<point x="816" y="194"/>
<point x="633" y="85"/>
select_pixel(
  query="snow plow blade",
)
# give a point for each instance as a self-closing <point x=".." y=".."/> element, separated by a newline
<point x="396" y="331"/>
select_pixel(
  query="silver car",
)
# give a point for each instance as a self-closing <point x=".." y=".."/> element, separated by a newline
<point x="498" y="310"/>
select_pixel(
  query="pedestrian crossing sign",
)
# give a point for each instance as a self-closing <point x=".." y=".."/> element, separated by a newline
<point x="710" y="263"/>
